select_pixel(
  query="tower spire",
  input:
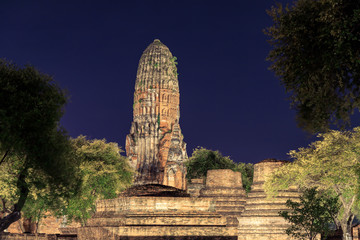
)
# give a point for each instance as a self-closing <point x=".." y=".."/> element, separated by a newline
<point x="155" y="144"/>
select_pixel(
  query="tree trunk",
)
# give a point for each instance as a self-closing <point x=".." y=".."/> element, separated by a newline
<point x="346" y="229"/>
<point x="6" y="221"/>
<point x="29" y="225"/>
<point x="15" y="215"/>
<point x="21" y="226"/>
<point x="37" y="227"/>
<point x="348" y="216"/>
<point x="3" y="158"/>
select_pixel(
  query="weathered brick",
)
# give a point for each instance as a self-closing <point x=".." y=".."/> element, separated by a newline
<point x="155" y="145"/>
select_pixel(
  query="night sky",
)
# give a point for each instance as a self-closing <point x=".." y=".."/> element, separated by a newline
<point x="229" y="100"/>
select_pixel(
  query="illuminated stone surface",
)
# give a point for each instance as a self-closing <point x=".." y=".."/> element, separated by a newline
<point x="155" y="144"/>
<point x="48" y="225"/>
<point x="260" y="219"/>
<point x="220" y="210"/>
<point x="194" y="187"/>
<point x="224" y="186"/>
<point x="157" y="217"/>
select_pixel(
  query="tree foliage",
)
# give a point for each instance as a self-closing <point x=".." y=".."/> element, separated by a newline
<point x="104" y="174"/>
<point x="203" y="160"/>
<point x="329" y="165"/>
<point x="43" y="201"/>
<point x="316" y="55"/>
<point x="39" y="206"/>
<point x="35" y="150"/>
<point x="312" y="215"/>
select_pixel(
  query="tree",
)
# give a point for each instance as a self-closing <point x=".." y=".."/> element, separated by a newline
<point x="312" y="215"/>
<point x="104" y="174"/>
<point x="35" y="150"/>
<point x="316" y="55"/>
<point x="329" y="165"/>
<point x="43" y="202"/>
<point x="39" y="206"/>
<point x="203" y="160"/>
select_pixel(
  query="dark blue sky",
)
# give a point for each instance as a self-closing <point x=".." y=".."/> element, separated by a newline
<point x="229" y="100"/>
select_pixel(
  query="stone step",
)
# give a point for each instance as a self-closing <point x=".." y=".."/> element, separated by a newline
<point x="229" y="208"/>
<point x="92" y="233"/>
<point x="229" y="203"/>
<point x="278" y="229"/>
<point x="207" y="214"/>
<point x="280" y="194"/>
<point x="266" y="206"/>
<point x="226" y="198"/>
<point x="260" y="212"/>
<point x="264" y="200"/>
<point x="229" y="214"/>
<point x="153" y="204"/>
<point x="222" y="192"/>
<point x="158" y="220"/>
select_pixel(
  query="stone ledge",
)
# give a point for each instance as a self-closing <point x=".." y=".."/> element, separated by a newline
<point x="222" y="192"/>
<point x="155" y="204"/>
<point x="214" y="220"/>
<point x="91" y="233"/>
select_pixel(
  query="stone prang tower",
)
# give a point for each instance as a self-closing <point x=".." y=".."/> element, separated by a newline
<point x="155" y="144"/>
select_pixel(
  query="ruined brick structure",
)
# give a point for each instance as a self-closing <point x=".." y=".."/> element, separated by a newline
<point x="155" y="144"/>
<point x="260" y="219"/>
<point x="225" y="188"/>
<point x="47" y="225"/>
<point x="220" y="210"/>
<point x="216" y="210"/>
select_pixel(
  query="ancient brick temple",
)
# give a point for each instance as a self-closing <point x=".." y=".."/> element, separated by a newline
<point x="155" y="144"/>
<point x="216" y="210"/>
<point x="155" y="208"/>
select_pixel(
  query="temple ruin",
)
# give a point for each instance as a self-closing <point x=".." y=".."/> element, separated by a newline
<point x="161" y="205"/>
<point x="155" y="145"/>
<point x="158" y="205"/>
<point x="220" y="211"/>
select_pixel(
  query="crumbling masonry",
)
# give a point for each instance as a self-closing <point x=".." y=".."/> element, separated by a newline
<point x="155" y="144"/>
<point x="221" y="211"/>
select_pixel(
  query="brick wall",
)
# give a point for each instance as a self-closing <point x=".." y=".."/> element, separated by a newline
<point x="21" y="236"/>
<point x="223" y="178"/>
<point x="48" y="225"/>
